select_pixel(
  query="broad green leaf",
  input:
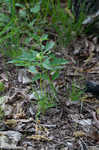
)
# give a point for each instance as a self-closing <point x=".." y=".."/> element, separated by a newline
<point x="19" y="5"/>
<point x="28" y="56"/>
<point x="14" y="61"/>
<point x="35" y="9"/>
<point x="33" y="69"/>
<point x="55" y="75"/>
<point x="46" y="64"/>
<point x="44" y="37"/>
<point x="36" y="77"/>
<point x="22" y="13"/>
<point x="45" y="76"/>
<point x="27" y="40"/>
<point x="49" y="45"/>
<point x="2" y="87"/>
<point x="54" y="63"/>
<point x="59" y="61"/>
<point x="36" y="37"/>
<point x="4" y="18"/>
<point x="19" y="62"/>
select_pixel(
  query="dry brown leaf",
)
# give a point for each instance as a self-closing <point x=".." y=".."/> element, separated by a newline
<point x="79" y="134"/>
<point x="11" y="122"/>
<point x="39" y="137"/>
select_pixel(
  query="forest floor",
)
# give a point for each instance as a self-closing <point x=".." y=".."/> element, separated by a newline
<point x="71" y="125"/>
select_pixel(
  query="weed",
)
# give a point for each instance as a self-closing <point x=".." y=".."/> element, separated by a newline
<point x="76" y="93"/>
<point x="44" y="103"/>
<point x="42" y="64"/>
<point x="2" y="87"/>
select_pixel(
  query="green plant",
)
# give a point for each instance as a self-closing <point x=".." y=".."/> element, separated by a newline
<point x="44" y="103"/>
<point x="9" y="31"/>
<point x="64" y="22"/>
<point x="17" y="27"/>
<point x="41" y="61"/>
<point x="43" y="64"/>
<point x="75" y="93"/>
<point x="31" y="18"/>
<point x="2" y="87"/>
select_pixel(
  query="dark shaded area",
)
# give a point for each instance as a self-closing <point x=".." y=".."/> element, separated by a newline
<point x="92" y="87"/>
<point x="86" y="6"/>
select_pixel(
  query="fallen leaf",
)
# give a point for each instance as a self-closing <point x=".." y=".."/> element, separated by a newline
<point x="79" y="134"/>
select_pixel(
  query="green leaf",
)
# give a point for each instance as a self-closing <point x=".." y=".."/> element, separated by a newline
<point x="44" y="37"/>
<point x="55" y="75"/>
<point x="19" y="62"/>
<point x="4" y="18"/>
<point x="22" y="13"/>
<point x="19" y="5"/>
<point x="28" y="56"/>
<point x="33" y="69"/>
<point x="53" y="63"/>
<point x="36" y="77"/>
<point x="7" y="28"/>
<point x="2" y="87"/>
<point x="36" y="37"/>
<point x="45" y="76"/>
<point x="46" y="64"/>
<point x="49" y="45"/>
<point x="75" y="93"/>
<point x="36" y="8"/>
<point x="58" y="61"/>
<point x="14" y="61"/>
<point x="32" y="23"/>
<point x="27" y="40"/>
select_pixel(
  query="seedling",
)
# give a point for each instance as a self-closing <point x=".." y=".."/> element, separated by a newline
<point x="2" y="87"/>
<point x="75" y="93"/>
<point x="44" y="65"/>
<point x="44" y="103"/>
